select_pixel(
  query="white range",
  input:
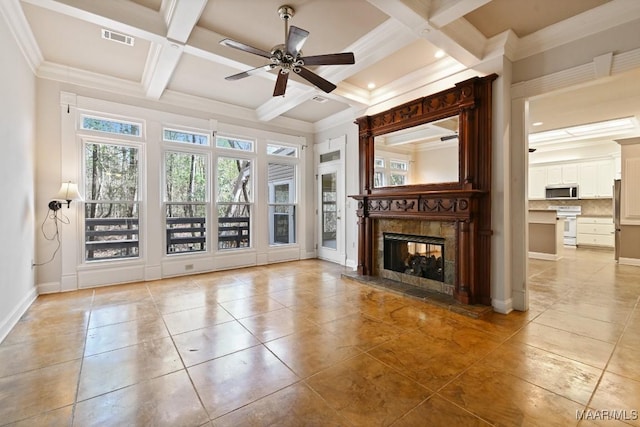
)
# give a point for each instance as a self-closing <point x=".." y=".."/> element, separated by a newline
<point x="570" y="214"/>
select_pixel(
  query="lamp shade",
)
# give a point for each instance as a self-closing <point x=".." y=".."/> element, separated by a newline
<point x="68" y="192"/>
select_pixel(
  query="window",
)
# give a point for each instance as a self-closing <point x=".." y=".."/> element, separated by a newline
<point x="111" y="126"/>
<point x="234" y="200"/>
<point x="398" y="165"/>
<point x="330" y="157"/>
<point x="195" y="138"/>
<point x="234" y="143"/>
<point x="378" y="162"/>
<point x="398" y="174"/>
<point x="185" y="196"/>
<point x="112" y="181"/>
<point x="281" y="150"/>
<point x="282" y="208"/>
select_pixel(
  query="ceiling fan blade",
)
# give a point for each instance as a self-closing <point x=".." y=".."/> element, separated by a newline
<point x="295" y="40"/>
<point x="312" y="77"/>
<point x="251" y="72"/>
<point x="330" y="59"/>
<point x="281" y="84"/>
<point x="245" y="47"/>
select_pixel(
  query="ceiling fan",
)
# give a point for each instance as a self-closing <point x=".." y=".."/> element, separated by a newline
<point x="288" y="57"/>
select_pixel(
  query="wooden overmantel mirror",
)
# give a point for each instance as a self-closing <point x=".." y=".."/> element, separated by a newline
<point x="429" y="161"/>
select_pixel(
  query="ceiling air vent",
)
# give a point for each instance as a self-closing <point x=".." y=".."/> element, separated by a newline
<point x="117" y="37"/>
<point x="320" y="99"/>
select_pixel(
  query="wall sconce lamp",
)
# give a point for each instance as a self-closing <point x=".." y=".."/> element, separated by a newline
<point x="68" y="192"/>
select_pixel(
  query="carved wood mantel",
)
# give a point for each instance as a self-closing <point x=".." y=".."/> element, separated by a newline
<point x="467" y="202"/>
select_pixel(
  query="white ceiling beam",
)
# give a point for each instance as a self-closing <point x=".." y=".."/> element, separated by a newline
<point x="448" y="11"/>
<point x="119" y="15"/>
<point x="458" y="38"/>
<point x="163" y="58"/>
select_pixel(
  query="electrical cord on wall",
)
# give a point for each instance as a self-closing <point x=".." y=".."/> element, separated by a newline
<point x="57" y="218"/>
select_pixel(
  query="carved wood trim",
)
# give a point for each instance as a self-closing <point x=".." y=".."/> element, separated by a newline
<point x="466" y="202"/>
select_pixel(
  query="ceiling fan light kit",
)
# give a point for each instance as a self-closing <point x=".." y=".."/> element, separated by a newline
<point x="288" y="57"/>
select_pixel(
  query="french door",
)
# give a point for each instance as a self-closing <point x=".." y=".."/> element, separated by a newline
<point x="331" y="201"/>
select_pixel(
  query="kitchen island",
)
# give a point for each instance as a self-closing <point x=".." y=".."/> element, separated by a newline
<point x="546" y="234"/>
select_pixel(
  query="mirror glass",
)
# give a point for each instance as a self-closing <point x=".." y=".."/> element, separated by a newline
<point x="424" y="154"/>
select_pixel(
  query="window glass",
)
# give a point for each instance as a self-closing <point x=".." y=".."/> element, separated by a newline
<point x="111" y="126"/>
<point x="185" y="194"/>
<point x="234" y="199"/>
<point x="330" y="157"/>
<point x="112" y="177"/>
<point x="282" y="208"/>
<point x="397" y="179"/>
<point x="234" y="143"/>
<point x="398" y="165"/>
<point x="281" y="150"/>
<point x="173" y="135"/>
<point x="379" y="162"/>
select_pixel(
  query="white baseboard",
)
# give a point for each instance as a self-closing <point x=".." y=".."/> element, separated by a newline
<point x="10" y="321"/>
<point x="545" y="256"/>
<point x="351" y="263"/>
<point x="49" y="288"/>
<point x="629" y="261"/>
<point x="502" y="306"/>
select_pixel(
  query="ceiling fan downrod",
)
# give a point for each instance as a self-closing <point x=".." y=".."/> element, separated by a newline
<point x="286" y="12"/>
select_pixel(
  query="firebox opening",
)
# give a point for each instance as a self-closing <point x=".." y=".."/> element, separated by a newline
<point x="420" y="256"/>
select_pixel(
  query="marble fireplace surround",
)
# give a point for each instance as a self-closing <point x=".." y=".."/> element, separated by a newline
<point x="458" y="211"/>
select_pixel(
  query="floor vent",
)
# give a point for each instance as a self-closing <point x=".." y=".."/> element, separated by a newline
<point x="117" y="37"/>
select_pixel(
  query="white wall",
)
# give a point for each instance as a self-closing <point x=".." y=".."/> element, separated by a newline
<point x="17" y="136"/>
<point x="438" y="165"/>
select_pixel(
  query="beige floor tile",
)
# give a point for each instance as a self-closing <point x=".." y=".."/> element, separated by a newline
<point x="179" y="301"/>
<point x="566" y="377"/>
<point x="36" y="328"/>
<point x="367" y="392"/>
<point x="311" y="351"/>
<point x="277" y="324"/>
<point x="358" y="330"/>
<point x="209" y="343"/>
<point x="230" y="382"/>
<point x="432" y="362"/>
<point x="31" y="393"/>
<point x="618" y="393"/>
<point x="119" y="335"/>
<point x="169" y="400"/>
<point x="625" y="362"/>
<point x="55" y="418"/>
<point x="196" y="318"/>
<point x="112" y="314"/>
<point x="578" y="324"/>
<point x="247" y="307"/>
<point x="438" y="412"/>
<point x="127" y="366"/>
<point x="572" y="346"/>
<point x="39" y="353"/>
<point x="293" y="406"/>
<point x="503" y="399"/>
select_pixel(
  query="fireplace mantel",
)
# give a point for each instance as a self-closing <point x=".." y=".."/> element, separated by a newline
<point x="465" y="203"/>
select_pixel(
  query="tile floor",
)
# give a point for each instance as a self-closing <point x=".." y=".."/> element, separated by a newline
<point x="294" y="344"/>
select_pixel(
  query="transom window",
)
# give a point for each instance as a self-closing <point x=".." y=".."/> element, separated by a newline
<point x="120" y="127"/>
<point x="174" y="135"/>
<point x="275" y="149"/>
<point x="234" y="143"/>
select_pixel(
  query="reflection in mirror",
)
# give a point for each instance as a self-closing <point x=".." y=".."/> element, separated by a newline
<point x="425" y="154"/>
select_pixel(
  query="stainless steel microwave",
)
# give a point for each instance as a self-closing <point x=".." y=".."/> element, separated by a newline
<point x="561" y="192"/>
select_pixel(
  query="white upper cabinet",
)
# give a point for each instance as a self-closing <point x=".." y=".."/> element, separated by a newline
<point x="537" y="182"/>
<point x="596" y="179"/>
<point x="562" y="174"/>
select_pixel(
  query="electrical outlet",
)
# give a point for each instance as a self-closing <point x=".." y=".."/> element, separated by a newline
<point x="188" y="267"/>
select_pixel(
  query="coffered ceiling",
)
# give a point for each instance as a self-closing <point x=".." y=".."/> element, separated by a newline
<point x="176" y="54"/>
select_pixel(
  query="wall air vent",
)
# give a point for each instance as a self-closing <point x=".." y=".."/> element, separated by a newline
<point x="320" y="99"/>
<point x="117" y="37"/>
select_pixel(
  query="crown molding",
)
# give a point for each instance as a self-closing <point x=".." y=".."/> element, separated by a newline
<point x="217" y="109"/>
<point x="19" y="27"/>
<point x="593" y="21"/>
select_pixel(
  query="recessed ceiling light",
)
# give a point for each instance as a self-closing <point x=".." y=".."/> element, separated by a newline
<point x="536" y="124"/>
<point x="371" y="86"/>
<point x="439" y="53"/>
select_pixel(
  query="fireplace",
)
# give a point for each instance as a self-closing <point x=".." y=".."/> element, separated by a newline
<point x="452" y="218"/>
<point x="417" y="253"/>
<point x="419" y="256"/>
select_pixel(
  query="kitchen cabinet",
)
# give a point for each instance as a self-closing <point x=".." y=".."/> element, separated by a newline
<point x="596" y="231"/>
<point x="562" y="174"/>
<point x="537" y="182"/>
<point x="595" y="179"/>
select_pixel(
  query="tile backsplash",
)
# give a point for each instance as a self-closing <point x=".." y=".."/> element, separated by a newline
<point x="590" y="207"/>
